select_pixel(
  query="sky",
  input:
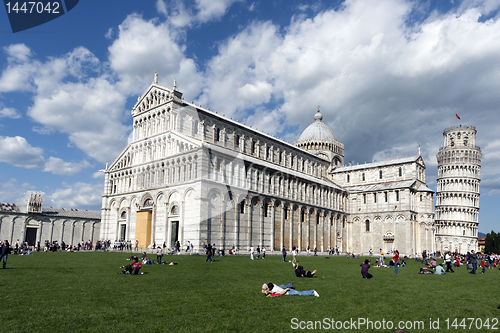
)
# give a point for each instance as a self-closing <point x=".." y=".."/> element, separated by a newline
<point x="388" y="75"/>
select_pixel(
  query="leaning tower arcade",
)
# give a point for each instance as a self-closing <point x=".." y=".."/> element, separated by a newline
<point x="457" y="198"/>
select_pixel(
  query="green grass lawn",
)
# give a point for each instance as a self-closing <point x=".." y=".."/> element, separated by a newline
<point x="68" y="292"/>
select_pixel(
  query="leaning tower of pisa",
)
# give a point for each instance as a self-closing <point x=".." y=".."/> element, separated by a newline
<point x="457" y="198"/>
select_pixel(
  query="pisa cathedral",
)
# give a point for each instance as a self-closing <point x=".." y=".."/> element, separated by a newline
<point x="192" y="175"/>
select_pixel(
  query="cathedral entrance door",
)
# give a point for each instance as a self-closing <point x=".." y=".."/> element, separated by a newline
<point x="389" y="247"/>
<point x="174" y="235"/>
<point x="31" y="236"/>
<point x="143" y="228"/>
<point x="123" y="229"/>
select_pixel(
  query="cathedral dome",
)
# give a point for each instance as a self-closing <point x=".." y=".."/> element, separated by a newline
<point x="317" y="131"/>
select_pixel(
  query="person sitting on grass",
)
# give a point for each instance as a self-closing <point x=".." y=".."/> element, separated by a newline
<point x="440" y="270"/>
<point x="132" y="268"/>
<point x="433" y="263"/>
<point x="425" y="269"/>
<point x="299" y="271"/>
<point x="364" y="269"/>
<point x="272" y="289"/>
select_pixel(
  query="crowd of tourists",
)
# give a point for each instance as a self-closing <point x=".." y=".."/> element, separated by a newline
<point x="430" y="265"/>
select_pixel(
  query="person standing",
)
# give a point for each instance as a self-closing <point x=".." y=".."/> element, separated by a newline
<point x="473" y="261"/>
<point x="381" y="259"/>
<point x="251" y="252"/>
<point x="483" y="265"/>
<point x="159" y="254"/>
<point x="447" y="260"/>
<point x="136" y="245"/>
<point x="294" y="254"/>
<point x="209" y="253"/>
<point x="283" y="252"/>
<point x="6" y="250"/>
<point x="263" y="252"/>
<point x="396" y="262"/>
<point x="258" y="252"/>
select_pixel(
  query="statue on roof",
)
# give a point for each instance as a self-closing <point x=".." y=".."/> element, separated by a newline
<point x="156" y="77"/>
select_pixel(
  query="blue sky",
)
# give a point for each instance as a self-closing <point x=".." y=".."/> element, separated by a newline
<point x="389" y="76"/>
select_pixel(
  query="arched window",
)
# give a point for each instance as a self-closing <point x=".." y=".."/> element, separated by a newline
<point x="367" y="225"/>
<point x="380" y="174"/>
<point x="195" y="127"/>
<point x="236" y="141"/>
<point x="216" y="134"/>
<point x="400" y="172"/>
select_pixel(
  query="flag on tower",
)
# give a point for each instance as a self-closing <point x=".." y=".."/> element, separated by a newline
<point x="456" y="114"/>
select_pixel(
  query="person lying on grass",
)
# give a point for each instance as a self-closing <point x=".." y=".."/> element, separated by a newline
<point x="272" y="289"/>
<point x="299" y="271"/>
<point x="132" y="268"/>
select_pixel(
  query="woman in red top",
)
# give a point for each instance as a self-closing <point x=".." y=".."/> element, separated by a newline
<point x="396" y="262"/>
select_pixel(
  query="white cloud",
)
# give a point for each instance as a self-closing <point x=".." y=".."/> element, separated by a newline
<point x="212" y="9"/>
<point x="139" y="40"/>
<point x="41" y="130"/>
<point x="13" y="192"/>
<point x="18" y="152"/>
<point x="98" y="174"/>
<point x="109" y="33"/>
<point x="242" y="63"/>
<point x="18" y="76"/>
<point x="491" y="186"/>
<point x="182" y="15"/>
<point x="161" y="7"/>
<point x="58" y="167"/>
<point x="78" y="195"/>
<point x="9" y="113"/>
<point x="17" y="52"/>
<point x="94" y="124"/>
<point x="258" y="92"/>
<point x="369" y="70"/>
